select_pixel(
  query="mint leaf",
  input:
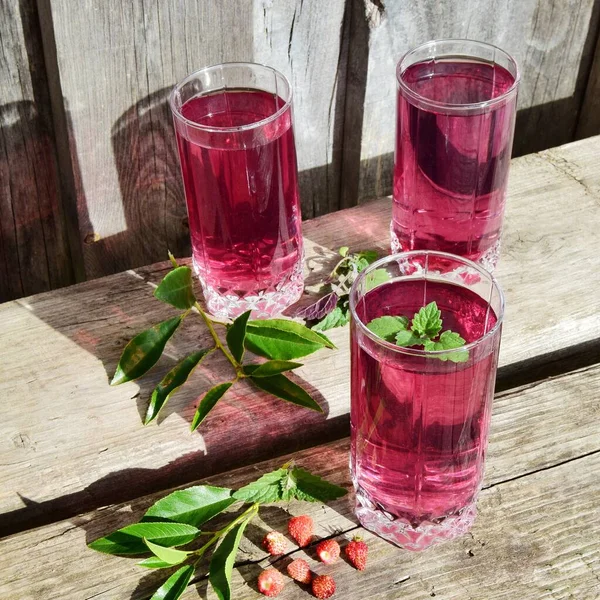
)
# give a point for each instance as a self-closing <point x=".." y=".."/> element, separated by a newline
<point x="376" y="278"/>
<point x="223" y="559"/>
<point x="282" y="339"/>
<point x="176" y="288"/>
<point x="171" y="382"/>
<point x="281" y="387"/>
<point x="302" y="485"/>
<point x="274" y="367"/>
<point x="130" y="539"/>
<point x="336" y="318"/>
<point x="208" y="403"/>
<point x="265" y="489"/>
<point x="449" y="340"/>
<point x="343" y="251"/>
<point x="408" y="338"/>
<point x="193" y="506"/>
<point x="427" y="322"/>
<point x="174" y="587"/>
<point x="236" y="334"/>
<point x="144" y="350"/>
<point x="167" y="555"/>
<point x="387" y="327"/>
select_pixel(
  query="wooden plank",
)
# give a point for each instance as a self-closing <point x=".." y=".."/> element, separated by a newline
<point x="537" y="529"/>
<point x="69" y="342"/>
<point x="552" y="42"/>
<point x="115" y="86"/>
<point x="34" y="255"/>
<point x="589" y="116"/>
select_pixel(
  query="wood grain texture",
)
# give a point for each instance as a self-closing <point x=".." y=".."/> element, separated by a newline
<point x="552" y="42"/>
<point x="129" y="195"/>
<point x="589" y="116"/>
<point x="536" y="534"/>
<point x="34" y="255"/>
<point x="69" y="342"/>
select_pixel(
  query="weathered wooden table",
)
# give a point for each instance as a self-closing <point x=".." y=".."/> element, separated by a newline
<point x="76" y="463"/>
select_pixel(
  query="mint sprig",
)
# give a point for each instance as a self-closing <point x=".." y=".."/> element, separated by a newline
<point x="423" y="331"/>
<point x="167" y="524"/>
<point x="279" y="340"/>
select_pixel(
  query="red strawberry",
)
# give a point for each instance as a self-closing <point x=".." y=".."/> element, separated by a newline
<point x="275" y="543"/>
<point x="300" y="571"/>
<point x="328" y="551"/>
<point x="356" y="551"/>
<point x="301" y="529"/>
<point x="323" y="586"/>
<point x="270" y="582"/>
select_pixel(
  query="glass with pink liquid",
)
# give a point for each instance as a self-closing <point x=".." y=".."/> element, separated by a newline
<point x="238" y="161"/>
<point x="454" y="133"/>
<point x="420" y="424"/>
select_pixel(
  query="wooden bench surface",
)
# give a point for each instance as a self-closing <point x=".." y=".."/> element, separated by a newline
<point x="70" y="444"/>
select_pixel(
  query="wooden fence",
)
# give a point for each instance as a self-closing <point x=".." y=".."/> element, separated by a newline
<point x="89" y="179"/>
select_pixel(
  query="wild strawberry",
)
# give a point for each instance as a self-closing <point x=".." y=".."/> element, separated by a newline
<point x="323" y="586"/>
<point x="328" y="551"/>
<point x="275" y="543"/>
<point x="356" y="551"/>
<point x="301" y="529"/>
<point x="270" y="582"/>
<point x="300" y="571"/>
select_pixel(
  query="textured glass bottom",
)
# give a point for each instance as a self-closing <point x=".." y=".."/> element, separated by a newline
<point x="265" y="304"/>
<point x="489" y="260"/>
<point x="400" y="532"/>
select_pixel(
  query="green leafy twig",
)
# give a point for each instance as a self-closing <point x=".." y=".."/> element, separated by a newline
<point x="278" y="340"/>
<point x="332" y="309"/>
<point x="175" y="521"/>
<point x="424" y="331"/>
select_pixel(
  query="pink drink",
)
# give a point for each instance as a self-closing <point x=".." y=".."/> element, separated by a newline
<point x="454" y="137"/>
<point x="240" y="178"/>
<point x="420" y="425"/>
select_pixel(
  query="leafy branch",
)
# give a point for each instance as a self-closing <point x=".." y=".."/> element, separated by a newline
<point x="333" y="309"/>
<point x="280" y="341"/>
<point x="175" y="521"/>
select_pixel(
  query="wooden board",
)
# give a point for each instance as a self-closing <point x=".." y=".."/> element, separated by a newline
<point x="553" y="44"/>
<point x="589" y="116"/>
<point x="115" y="87"/>
<point x="537" y="528"/>
<point x="34" y="254"/>
<point x="69" y="341"/>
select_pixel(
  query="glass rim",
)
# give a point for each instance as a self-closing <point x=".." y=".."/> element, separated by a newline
<point x="212" y="129"/>
<point x="447" y="106"/>
<point x="409" y="351"/>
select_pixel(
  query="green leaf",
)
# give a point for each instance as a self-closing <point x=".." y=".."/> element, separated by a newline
<point x="236" y="334"/>
<point x="282" y="339"/>
<point x="448" y="341"/>
<point x="427" y="322"/>
<point x="274" y="367"/>
<point x="174" y="587"/>
<point x="336" y="318"/>
<point x="144" y="350"/>
<point x="408" y="338"/>
<point x="168" y="555"/>
<point x="208" y="402"/>
<point x="282" y="387"/>
<point x="171" y="382"/>
<point x="343" y="251"/>
<point x="153" y="562"/>
<point x="388" y="327"/>
<point x="172" y="259"/>
<point x="130" y="539"/>
<point x="376" y="278"/>
<point x="302" y="485"/>
<point x="176" y="288"/>
<point x="193" y="506"/>
<point x="223" y="559"/>
<point x="264" y="490"/>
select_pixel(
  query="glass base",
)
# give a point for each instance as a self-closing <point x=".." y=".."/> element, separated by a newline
<point x="400" y="532"/>
<point x="266" y="304"/>
<point x="489" y="260"/>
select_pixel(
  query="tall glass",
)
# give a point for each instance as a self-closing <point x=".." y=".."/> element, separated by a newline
<point x="420" y="419"/>
<point x="454" y="133"/>
<point x="238" y="161"/>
